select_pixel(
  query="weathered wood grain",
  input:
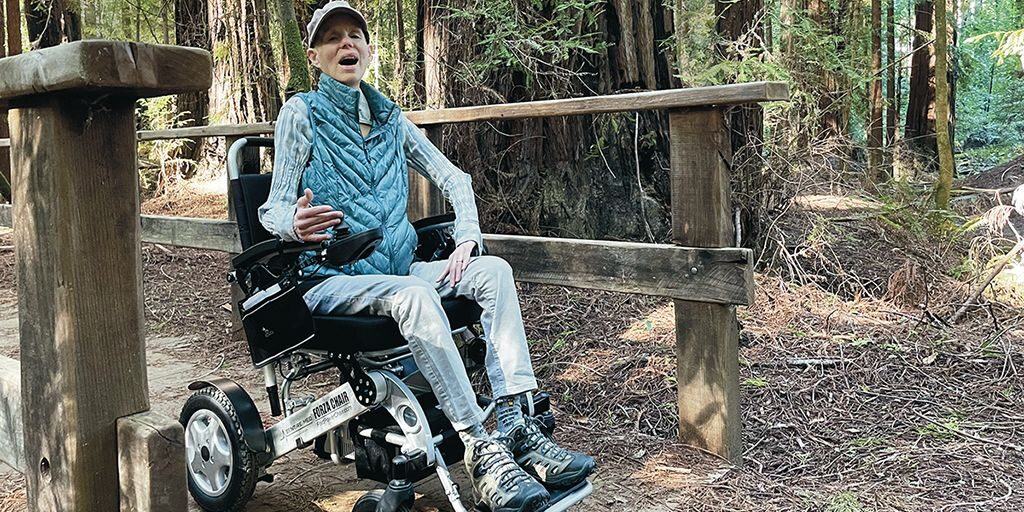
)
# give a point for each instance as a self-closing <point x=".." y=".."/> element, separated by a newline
<point x="217" y="130"/>
<point x="79" y="294"/>
<point x="721" y="276"/>
<point x="217" y="235"/>
<point x="132" y="69"/>
<point x="12" y="443"/>
<point x="151" y="463"/>
<point x="706" y="335"/>
<point x="654" y="100"/>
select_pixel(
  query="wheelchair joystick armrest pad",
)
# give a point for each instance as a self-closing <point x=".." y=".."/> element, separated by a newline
<point x="354" y="247"/>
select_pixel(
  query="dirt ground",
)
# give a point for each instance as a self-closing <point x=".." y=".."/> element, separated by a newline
<point x="858" y="393"/>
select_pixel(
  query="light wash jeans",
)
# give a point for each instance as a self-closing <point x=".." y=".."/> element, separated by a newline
<point x="414" y="301"/>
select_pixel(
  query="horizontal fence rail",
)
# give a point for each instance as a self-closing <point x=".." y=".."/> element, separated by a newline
<point x="732" y="94"/>
<point x="718" y="275"/>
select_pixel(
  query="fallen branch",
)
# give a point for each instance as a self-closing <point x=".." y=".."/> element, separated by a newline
<point x="988" y="280"/>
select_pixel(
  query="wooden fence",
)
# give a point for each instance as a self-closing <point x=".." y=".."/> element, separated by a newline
<point x="79" y="262"/>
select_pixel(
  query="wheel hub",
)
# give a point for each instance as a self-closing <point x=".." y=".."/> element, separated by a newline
<point x="208" y="451"/>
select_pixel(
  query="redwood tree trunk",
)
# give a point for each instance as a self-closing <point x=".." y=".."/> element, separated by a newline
<point x="245" y="76"/>
<point x="875" y="167"/>
<point x="582" y="176"/>
<point x="891" y="104"/>
<point x="919" y="130"/>
<point x="294" y="49"/>
<point x="191" y="29"/>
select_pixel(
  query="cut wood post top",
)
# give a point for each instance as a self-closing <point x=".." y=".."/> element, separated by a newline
<point x="113" y="67"/>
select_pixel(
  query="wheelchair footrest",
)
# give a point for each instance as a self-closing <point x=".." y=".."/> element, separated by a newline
<point x="561" y="500"/>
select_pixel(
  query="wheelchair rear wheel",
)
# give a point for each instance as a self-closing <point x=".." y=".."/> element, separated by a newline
<point x="368" y="502"/>
<point x="221" y="469"/>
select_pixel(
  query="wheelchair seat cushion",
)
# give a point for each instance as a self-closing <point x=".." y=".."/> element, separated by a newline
<point x="348" y="334"/>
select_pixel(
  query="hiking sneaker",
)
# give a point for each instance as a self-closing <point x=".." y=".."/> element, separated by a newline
<point x="550" y="464"/>
<point x="498" y="482"/>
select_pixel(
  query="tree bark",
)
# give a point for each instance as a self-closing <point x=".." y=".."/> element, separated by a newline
<point x="583" y="176"/>
<point x="294" y="50"/>
<point x="191" y="28"/>
<point x="919" y="130"/>
<point x="945" y="148"/>
<point x="245" y="76"/>
<point x="435" y="35"/>
<point x="876" y="169"/>
<point x="13" y="21"/>
<point x="891" y="102"/>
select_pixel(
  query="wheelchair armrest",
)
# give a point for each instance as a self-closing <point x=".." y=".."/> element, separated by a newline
<point x="352" y="247"/>
<point x="434" y="222"/>
<point x="269" y="249"/>
<point x="434" y="238"/>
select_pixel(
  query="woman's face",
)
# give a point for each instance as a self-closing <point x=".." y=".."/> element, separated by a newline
<point x="341" y="50"/>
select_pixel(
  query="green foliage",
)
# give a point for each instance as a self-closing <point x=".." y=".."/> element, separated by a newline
<point x="537" y="39"/>
<point x="148" y="21"/>
<point x="990" y="91"/>
<point x="1011" y="44"/>
<point x="976" y="160"/>
<point x="154" y="156"/>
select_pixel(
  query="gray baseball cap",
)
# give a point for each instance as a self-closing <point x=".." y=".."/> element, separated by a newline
<point x="330" y="8"/>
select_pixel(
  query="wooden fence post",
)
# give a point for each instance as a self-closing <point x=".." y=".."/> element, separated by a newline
<point x="706" y="334"/>
<point x="425" y="199"/>
<point x="79" y="261"/>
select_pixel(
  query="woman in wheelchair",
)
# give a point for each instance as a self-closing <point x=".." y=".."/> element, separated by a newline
<point x="341" y="160"/>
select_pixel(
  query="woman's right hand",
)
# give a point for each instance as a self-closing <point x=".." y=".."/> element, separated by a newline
<point x="311" y="220"/>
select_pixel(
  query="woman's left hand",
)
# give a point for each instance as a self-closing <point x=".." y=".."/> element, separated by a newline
<point x="457" y="263"/>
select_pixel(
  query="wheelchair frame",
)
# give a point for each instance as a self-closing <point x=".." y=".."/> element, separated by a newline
<point x="229" y="450"/>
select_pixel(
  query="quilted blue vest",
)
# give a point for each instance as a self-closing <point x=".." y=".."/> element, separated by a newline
<point x="367" y="179"/>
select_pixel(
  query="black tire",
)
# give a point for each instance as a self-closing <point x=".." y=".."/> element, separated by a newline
<point x="368" y="502"/>
<point x="234" y="475"/>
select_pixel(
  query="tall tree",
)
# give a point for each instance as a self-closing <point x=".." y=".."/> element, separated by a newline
<point x="191" y="28"/>
<point x="942" y="129"/>
<point x="51" y="23"/>
<point x="875" y="164"/>
<point x="918" y="130"/>
<point x="12" y="18"/>
<point x="294" y="49"/>
<point x="524" y="50"/>
<point x="245" y="78"/>
<point x="892" y="106"/>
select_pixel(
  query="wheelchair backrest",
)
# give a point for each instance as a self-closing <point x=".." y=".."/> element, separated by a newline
<point x="249" y="189"/>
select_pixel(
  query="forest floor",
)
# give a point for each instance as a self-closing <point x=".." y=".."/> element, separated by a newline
<point x="859" y="392"/>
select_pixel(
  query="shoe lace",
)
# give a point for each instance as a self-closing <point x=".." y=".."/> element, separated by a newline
<point x="497" y="459"/>
<point x="536" y="440"/>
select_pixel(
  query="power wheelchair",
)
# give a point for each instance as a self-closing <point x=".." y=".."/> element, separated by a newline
<point x="382" y="415"/>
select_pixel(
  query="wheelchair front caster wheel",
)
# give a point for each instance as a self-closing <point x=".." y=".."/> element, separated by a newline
<point x="220" y="467"/>
<point x="368" y="503"/>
